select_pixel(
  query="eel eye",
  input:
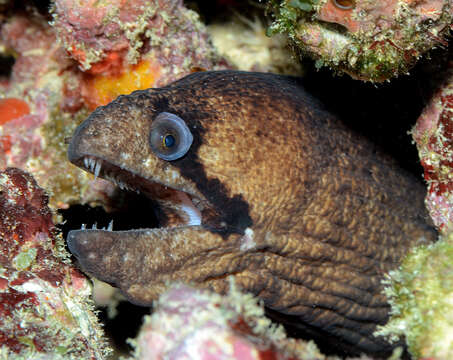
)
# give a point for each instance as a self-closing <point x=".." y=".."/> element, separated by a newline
<point x="344" y="4"/>
<point x="169" y="137"/>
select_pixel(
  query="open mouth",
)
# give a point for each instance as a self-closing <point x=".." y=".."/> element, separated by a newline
<point x="173" y="207"/>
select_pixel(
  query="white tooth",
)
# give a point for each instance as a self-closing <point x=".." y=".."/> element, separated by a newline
<point x="83" y="226"/>
<point x="85" y="162"/>
<point x="94" y="227"/>
<point x="192" y="213"/>
<point x="97" y="169"/>
<point x="110" y="228"/>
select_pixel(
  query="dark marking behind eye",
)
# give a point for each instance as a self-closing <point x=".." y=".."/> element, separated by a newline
<point x="235" y="210"/>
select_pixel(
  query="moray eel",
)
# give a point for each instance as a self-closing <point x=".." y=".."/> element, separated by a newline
<point x="254" y="179"/>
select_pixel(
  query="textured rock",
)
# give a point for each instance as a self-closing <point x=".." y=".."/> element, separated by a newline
<point x="45" y="310"/>
<point x="124" y="46"/>
<point x="433" y="134"/>
<point x="193" y="324"/>
<point x="370" y="40"/>
<point x="421" y="295"/>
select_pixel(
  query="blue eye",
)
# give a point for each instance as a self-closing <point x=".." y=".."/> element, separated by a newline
<point x="169" y="137"/>
<point x="169" y="141"/>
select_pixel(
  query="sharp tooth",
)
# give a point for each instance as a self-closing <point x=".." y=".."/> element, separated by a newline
<point x="97" y="169"/>
<point x="85" y="162"/>
<point x="110" y="228"/>
<point x="83" y="226"/>
<point x="94" y="227"/>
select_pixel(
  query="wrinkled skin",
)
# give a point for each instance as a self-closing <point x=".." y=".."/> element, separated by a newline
<point x="303" y="213"/>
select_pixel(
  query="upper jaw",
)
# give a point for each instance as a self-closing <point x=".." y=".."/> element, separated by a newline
<point x="182" y="207"/>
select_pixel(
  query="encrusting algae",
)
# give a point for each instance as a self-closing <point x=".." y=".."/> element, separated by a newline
<point x="45" y="306"/>
<point x="368" y="39"/>
<point x="421" y="295"/>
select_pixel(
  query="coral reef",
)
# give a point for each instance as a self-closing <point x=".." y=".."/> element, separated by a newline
<point x="433" y="134"/>
<point x="40" y="108"/>
<point x="124" y="46"/>
<point x="421" y="296"/>
<point x="45" y="310"/>
<point x="189" y="323"/>
<point x="370" y="40"/>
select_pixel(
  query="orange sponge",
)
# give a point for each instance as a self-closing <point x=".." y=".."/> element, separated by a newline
<point x="101" y="88"/>
<point x="12" y="108"/>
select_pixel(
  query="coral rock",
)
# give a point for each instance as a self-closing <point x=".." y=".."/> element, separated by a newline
<point x="125" y="46"/>
<point x="421" y="296"/>
<point x="44" y="302"/>
<point x="190" y="323"/>
<point x="41" y="107"/>
<point x="433" y="134"/>
<point x="370" y="40"/>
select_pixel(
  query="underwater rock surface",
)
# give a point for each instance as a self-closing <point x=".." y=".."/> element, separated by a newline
<point x="370" y="40"/>
<point x="421" y="295"/>
<point x="433" y="134"/>
<point x="190" y="323"/>
<point x="124" y="46"/>
<point x="45" y="306"/>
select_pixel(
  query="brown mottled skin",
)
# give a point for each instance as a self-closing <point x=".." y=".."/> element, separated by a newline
<point x="304" y="213"/>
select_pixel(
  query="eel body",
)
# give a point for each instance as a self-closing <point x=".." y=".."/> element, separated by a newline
<point x="272" y="190"/>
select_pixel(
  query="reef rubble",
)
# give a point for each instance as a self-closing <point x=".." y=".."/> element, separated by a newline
<point x="45" y="305"/>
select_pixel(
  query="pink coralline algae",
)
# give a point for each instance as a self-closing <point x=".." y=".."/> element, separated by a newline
<point x="158" y="41"/>
<point x="44" y="301"/>
<point x="368" y="39"/>
<point x="39" y="107"/>
<point x="196" y="324"/>
<point x="189" y="323"/>
<point x="433" y="134"/>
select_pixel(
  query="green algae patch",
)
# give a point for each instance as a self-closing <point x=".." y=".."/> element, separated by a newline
<point x="355" y="40"/>
<point x="421" y="295"/>
<point x="25" y="259"/>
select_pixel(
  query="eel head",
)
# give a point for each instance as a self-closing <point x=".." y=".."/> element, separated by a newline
<point x="174" y="146"/>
